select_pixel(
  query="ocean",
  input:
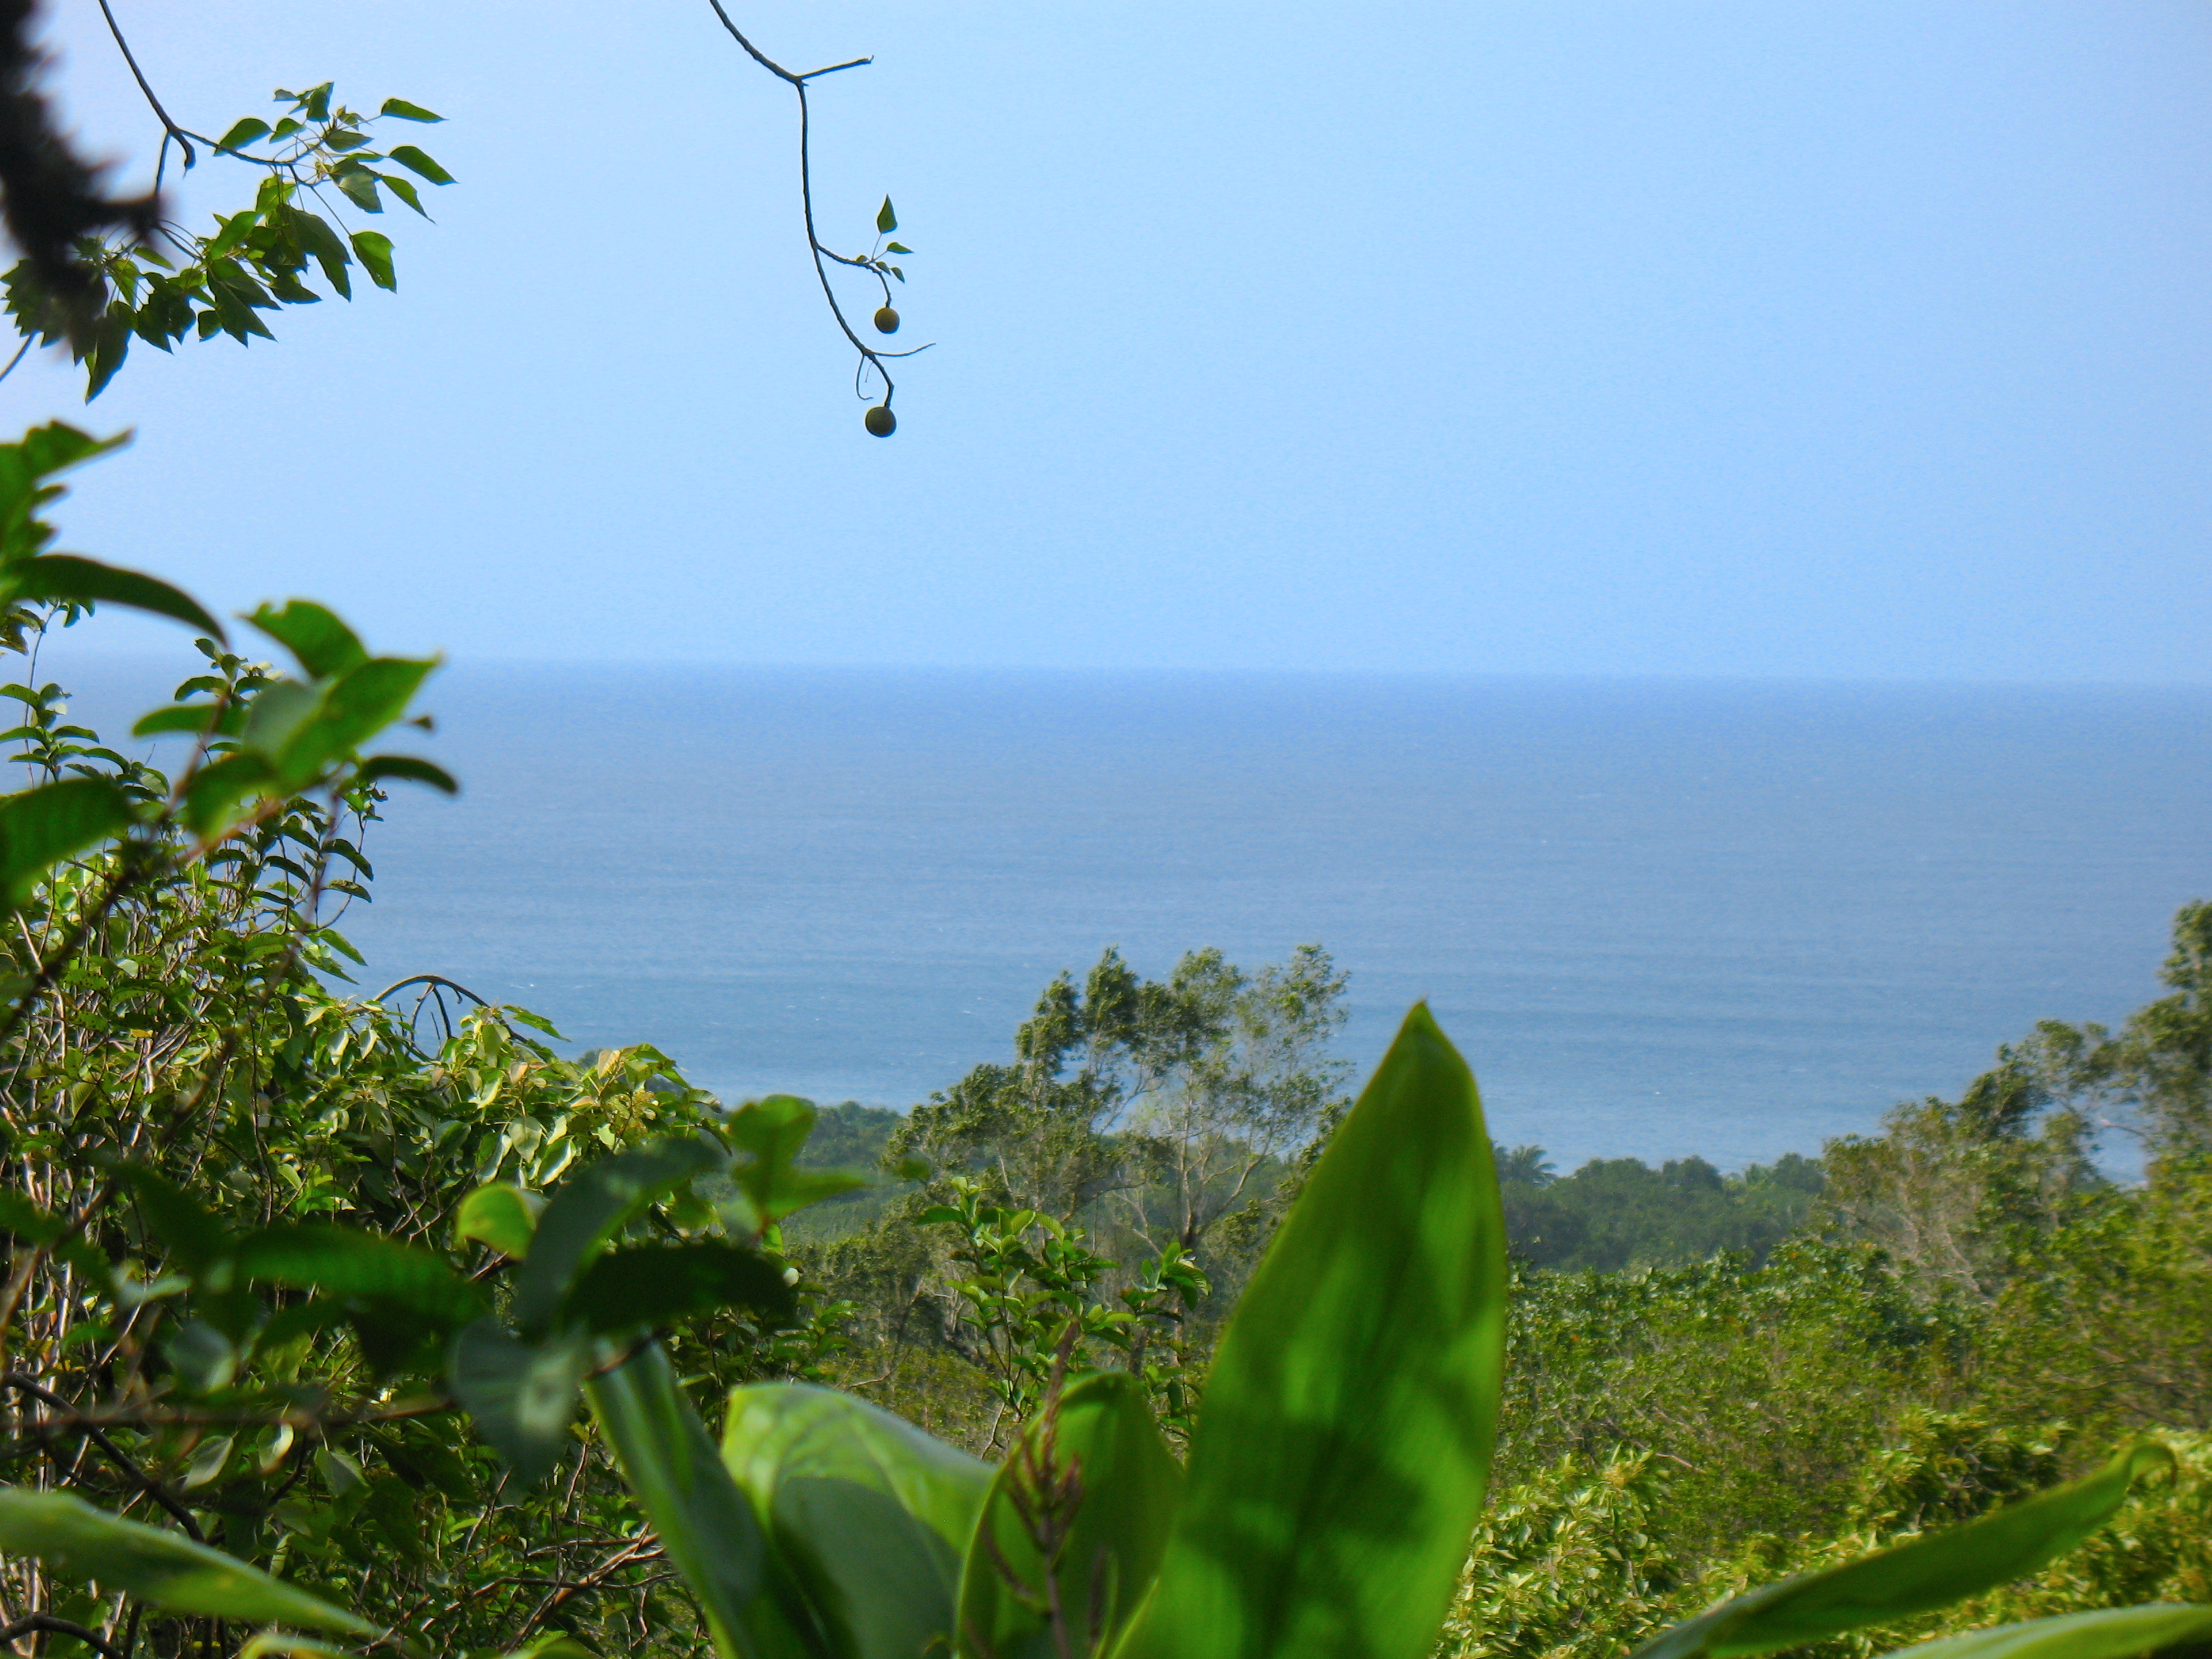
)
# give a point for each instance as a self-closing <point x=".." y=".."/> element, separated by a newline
<point x="1660" y="918"/>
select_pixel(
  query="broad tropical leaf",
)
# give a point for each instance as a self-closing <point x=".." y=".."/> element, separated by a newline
<point x="522" y="1394"/>
<point x="595" y="1204"/>
<point x="1099" y="1452"/>
<point x="869" y="1514"/>
<point x="41" y="827"/>
<point x="1339" y="1460"/>
<point x="653" y="1284"/>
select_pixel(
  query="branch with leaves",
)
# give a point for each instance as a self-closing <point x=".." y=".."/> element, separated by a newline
<point x="876" y="261"/>
<point x="163" y="284"/>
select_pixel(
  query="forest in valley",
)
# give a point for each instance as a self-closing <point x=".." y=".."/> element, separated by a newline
<point x="340" y="1322"/>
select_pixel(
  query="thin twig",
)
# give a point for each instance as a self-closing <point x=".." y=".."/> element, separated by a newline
<point x="870" y="356"/>
<point x="169" y="127"/>
<point x="47" y="1621"/>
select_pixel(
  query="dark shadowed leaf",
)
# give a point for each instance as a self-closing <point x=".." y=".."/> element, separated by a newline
<point x="348" y="1263"/>
<point x="316" y="237"/>
<point x="25" y="1220"/>
<point x="196" y="1239"/>
<point x="886" y="221"/>
<point x="1338" y="1459"/>
<point x="650" y="1286"/>
<point x="1128" y="1486"/>
<point x="595" y="1204"/>
<point x="377" y="767"/>
<point x="60" y="577"/>
<point x="522" y="1394"/>
<point x="75" y="1541"/>
<point x="41" y="827"/>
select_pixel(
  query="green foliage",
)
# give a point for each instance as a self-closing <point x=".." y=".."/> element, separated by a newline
<point x="245" y="1298"/>
<point x="256" y="260"/>
<point x="1919" y="1576"/>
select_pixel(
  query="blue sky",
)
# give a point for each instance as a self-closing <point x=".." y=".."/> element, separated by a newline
<point x="1771" y="340"/>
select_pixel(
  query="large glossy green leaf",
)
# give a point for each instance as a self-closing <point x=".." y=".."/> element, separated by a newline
<point x="1099" y="1453"/>
<point x="76" y="1540"/>
<point x="595" y="1204"/>
<point x="59" y="578"/>
<point x="41" y="827"/>
<point x="707" y="1526"/>
<point x="1929" y="1572"/>
<point x="869" y="1514"/>
<point x="1337" y="1464"/>
<point x="2111" y="1633"/>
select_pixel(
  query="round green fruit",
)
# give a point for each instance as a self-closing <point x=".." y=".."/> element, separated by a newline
<point x="886" y="321"/>
<point x="881" y="421"/>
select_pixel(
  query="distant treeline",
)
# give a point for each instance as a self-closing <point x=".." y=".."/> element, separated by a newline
<point x="1610" y="1214"/>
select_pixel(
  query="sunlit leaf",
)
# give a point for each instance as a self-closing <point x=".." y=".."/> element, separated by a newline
<point x="871" y="1514"/>
<point x="710" y="1533"/>
<point x="500" y="1216"/>
<point x="324" y="646"/>
<point x="252" y="129"/>
<point x="2110" y="1634"/>
<point x="416" y="161"/>
<point x="1102" y="1441"/>
<point x="1338" y="1459"/>
<point x="373" y="249"/>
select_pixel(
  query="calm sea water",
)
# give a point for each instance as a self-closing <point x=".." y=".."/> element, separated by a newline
<point x="1660" y="918"/>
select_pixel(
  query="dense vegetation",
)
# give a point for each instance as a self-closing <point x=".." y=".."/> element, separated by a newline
<point x="305" y="1288"/>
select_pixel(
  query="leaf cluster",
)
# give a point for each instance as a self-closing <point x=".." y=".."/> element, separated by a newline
<point x="160" y="284"/>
